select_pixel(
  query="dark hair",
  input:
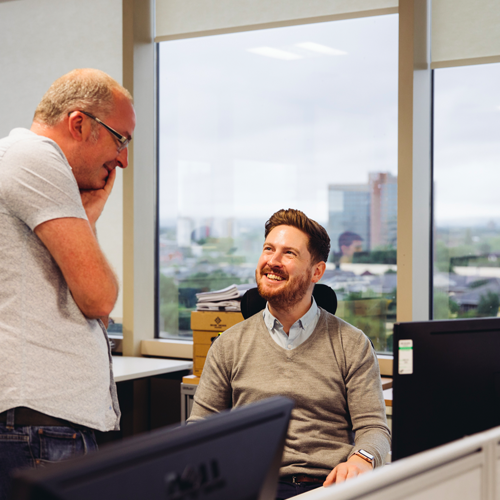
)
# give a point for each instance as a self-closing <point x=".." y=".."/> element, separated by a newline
<point x="319" y="241"/>
<point x="346" y="239"/>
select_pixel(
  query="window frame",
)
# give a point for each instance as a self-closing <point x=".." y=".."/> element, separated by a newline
<point x="414" y="172"/>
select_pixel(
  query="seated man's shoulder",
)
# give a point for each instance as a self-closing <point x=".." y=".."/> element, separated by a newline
<point x="240" y="331"/>
<point x="339" y="322"/>
<point x="344" y="329"/>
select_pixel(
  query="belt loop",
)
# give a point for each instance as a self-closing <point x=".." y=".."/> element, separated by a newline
<point x="10" y="418"/>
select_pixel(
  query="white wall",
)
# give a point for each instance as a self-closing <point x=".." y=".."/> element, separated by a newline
<point x="42" y="40"/>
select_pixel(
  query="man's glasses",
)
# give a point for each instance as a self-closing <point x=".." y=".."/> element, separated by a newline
<point x="124" y="142"/>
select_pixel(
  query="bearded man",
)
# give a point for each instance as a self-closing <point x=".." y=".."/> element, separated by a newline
<point x="294" y="348"/>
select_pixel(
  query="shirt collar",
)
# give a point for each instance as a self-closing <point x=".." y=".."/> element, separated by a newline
<point x="302" y="322"/>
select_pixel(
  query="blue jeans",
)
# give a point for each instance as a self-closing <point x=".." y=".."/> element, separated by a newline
<point x="22" y="447"/>
<point x="289" y="490"/>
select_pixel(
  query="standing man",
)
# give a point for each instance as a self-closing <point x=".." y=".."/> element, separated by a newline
<point x="294" y="348"/>
<point x="56" y="383"/>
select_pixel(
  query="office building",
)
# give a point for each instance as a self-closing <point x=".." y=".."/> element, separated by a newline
<point x="349" y="210"/>
<point x="383" y="209"/>
<point x="369" y="210"/>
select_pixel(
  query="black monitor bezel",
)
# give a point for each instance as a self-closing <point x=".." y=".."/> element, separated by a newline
<point x="455" y="385"/>
<point x="49" y="483"/>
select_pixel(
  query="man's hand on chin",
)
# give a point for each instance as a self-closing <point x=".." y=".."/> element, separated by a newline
<point x="93" y="200"/>
<point x="346" y="470"/>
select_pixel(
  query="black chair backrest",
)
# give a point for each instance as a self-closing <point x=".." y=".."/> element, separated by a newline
<point x="252" y="302"/>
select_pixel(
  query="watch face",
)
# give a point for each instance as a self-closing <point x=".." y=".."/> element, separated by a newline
<point x="366" y="455"/>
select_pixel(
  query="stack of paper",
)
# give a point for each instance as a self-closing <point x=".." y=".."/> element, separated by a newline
<point x="227" y="299"/>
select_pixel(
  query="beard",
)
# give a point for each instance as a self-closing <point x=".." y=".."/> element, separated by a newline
<point x="288" y="295"/>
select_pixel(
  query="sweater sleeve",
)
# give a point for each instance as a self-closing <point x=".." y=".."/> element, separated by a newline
<point x="365" y="396"/>
<point x="214" y="393"/>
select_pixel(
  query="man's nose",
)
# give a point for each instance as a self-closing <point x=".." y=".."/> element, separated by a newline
<point x="122" y="158"/>
<point x="274" y="259"/>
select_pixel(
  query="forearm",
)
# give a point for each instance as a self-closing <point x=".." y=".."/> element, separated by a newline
<point x="365" y="398"/>
<point x="93" y="284"/>
<point x="86" y="270"/>
<point x="375" y="440"/>
<point x="369" y="421"/>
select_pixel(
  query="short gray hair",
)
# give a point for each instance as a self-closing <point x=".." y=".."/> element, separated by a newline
<point x="89" y="90"/>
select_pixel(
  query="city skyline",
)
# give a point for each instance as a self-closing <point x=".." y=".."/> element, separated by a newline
<point x="369" y="210"/>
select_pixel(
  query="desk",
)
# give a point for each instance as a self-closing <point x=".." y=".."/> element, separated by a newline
<point x="131" y="368"/>
<point x="148" y="393"/>
<point x="388" y="397"/>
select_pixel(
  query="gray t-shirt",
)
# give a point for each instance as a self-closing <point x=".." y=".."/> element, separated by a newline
<point x="52" y="358"/>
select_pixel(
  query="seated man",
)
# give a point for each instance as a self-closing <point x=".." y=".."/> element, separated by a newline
<point x="295" y="349"/>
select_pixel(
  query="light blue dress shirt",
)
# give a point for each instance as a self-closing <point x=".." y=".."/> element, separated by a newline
<point x="300" y="331"/>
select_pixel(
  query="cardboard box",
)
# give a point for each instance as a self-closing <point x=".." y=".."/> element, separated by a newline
<point x="191" y="380"/>
<point x="206" y="326"/>
<point x="201" y="344"/>
<point x="200" y="352"/>
<point x="215" y="321"/>
<point x="198" y="364"/>
<point x="200" y="337"/>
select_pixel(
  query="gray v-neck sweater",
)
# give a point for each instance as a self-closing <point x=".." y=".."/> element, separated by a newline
<point x="333" y="377"/>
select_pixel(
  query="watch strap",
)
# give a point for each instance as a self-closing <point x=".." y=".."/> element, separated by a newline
<point x="368" y="457"/>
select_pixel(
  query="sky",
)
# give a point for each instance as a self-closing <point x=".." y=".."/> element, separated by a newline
<point x="257" y="121"/>
<point x="243" y="134"/>
<point x="467" y="144"/>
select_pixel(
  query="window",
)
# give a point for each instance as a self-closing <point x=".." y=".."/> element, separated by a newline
<point x="249" y="123"/>
<point x="466" y="186"/>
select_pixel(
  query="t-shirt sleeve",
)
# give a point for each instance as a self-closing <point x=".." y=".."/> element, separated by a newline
<point x="37" y="184"/>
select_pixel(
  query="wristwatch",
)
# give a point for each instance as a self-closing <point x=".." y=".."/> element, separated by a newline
<point x="365" y="456"/>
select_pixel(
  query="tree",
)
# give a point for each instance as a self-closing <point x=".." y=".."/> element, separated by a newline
<point x="444" y="306"/>
<point x="169" y="305"/>
<point x="488" y="304"/>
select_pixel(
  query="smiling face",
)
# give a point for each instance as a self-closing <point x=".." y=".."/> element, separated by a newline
<point x="96" y="158"/>
<point x="285" y="274"/>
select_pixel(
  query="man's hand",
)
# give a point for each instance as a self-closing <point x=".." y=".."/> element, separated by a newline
<point x="93" y="200"/>
<point x="346" y="470"/>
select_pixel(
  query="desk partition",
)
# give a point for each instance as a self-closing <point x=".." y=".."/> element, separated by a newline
<point x="467" y="469"/>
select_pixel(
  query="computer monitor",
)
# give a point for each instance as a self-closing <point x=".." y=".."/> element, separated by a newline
<point x="446" y="382"/>
<point x="230" y="456"/>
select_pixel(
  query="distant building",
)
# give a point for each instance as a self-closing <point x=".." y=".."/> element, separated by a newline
<point x="369" y="210"/>
<point x="384" y="209"/>
<point x="349" y="210"/>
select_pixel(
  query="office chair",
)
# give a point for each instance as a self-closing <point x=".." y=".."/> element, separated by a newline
<point x="252" y="302"/>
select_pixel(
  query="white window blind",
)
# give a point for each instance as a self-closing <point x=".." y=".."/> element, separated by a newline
<point x="465" y="32"/>
<point x="191" y="18"/>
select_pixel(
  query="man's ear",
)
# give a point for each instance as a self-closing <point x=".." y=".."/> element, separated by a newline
<point x="318" y="271"/>
<point x="79" y="128"/>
